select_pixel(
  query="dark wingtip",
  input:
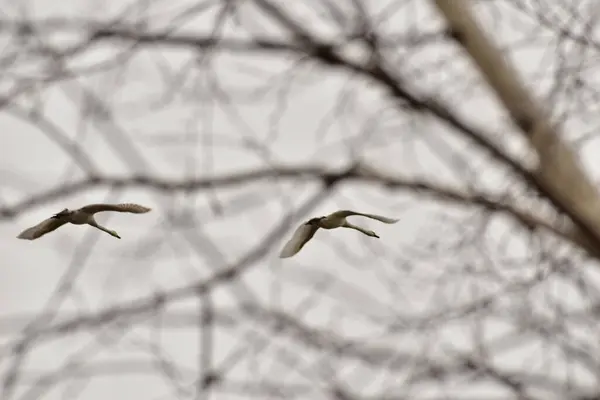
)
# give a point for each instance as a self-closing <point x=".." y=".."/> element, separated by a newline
<point x="23" y="237"/>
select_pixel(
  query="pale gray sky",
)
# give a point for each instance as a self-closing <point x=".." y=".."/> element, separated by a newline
<point x="170" y="117"/>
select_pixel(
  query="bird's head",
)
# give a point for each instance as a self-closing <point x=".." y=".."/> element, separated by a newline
<point x="115" y="234"/>
<point x="63" y="213"/>
<point x="314" y="221"/>
<point x="372" y="234"/>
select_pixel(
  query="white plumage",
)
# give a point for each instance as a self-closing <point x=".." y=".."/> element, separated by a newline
<point x="82" y="216"/>
<point x="307" y="230"/>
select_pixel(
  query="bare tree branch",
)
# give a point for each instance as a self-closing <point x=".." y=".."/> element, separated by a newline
<point x="431" y="189"/>
<point x="558" y="170"/>
<point x="259" y="106"/>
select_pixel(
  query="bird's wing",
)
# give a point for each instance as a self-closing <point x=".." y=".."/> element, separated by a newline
<point x="302" y="235"/>
<point x="348" y="213"/>
<point x="42" y="228"/>
<point x="125" y="207"/>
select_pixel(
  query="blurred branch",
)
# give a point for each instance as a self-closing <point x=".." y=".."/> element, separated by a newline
<point x="579" y="209"/>
<point x="204" y="43"/>
<point x="105" y="31"/>
<point x="558" y="171"/>
<point x="477" y="369"/>
<point x="363" y="175"/>
<point x="325" y="52"/>
<point x="126" y="312"/>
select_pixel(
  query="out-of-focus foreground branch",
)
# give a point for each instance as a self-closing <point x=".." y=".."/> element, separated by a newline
<point x="365" y="175"/>
<point x="460" y="284"/>
<point x="558" y="170"/>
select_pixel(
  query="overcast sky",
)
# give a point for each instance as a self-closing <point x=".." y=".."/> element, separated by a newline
<point x="171" y="114"/>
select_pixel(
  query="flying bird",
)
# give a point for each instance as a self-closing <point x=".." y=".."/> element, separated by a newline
<point x="335" y="220"/>
<point x="82" y="216"/>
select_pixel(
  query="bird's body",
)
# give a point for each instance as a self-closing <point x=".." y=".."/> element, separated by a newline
<point x="335" y="220"/>
<point x="330" y="222"/>
<point x="81" y="216"/>
<point x="76" y="217"/>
